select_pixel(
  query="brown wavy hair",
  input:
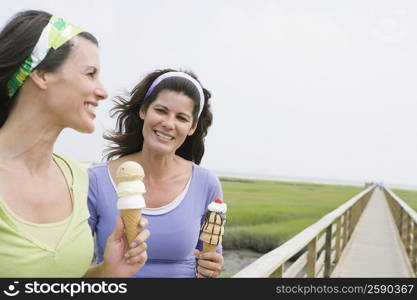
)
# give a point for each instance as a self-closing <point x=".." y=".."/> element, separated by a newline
<point x="127" y="138"/>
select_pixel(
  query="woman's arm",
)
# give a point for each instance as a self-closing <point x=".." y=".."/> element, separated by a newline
<point x="210" y="264"/>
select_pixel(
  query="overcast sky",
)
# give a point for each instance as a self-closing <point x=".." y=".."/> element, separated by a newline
<point x="319" y="89"/>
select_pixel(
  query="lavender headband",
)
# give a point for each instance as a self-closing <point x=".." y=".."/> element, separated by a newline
<point x="178" y="74"/>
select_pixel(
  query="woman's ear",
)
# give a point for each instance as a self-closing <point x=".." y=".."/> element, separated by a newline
<point x="192" y="129"/>
<point x="142" y="114"/>
<point x="39" y="78"/>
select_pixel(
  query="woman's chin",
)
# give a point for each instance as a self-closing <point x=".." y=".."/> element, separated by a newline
<point x="86" y="128"/>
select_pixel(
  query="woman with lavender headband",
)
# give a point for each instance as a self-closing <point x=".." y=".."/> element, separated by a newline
<point x="162" y="126"/>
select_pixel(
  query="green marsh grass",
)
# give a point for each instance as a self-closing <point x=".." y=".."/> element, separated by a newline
<point x="264" y="214"/>
<point x="409" y="197"/>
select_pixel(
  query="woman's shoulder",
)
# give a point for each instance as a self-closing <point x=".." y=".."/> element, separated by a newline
<point x="98" y="170"/>
<point x="207" y="183"/>
<point x="205" y="174"/>
<point x="98" y="167"/>
<point x="74" y="165"/>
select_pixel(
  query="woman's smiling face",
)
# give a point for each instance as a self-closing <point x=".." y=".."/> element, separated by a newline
<point x="75" y="90"/>
<point x="167" y="122"/>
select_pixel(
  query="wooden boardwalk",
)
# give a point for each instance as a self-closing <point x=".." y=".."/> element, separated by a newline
<point x="374" y="249"/>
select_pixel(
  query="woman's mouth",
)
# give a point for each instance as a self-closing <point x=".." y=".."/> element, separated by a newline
<point x="90" y="108"/>
<point x="163" y="136"/>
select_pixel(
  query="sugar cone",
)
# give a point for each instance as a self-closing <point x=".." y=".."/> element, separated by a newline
<point x="131" y="218"/>
<point x="209" y="247"/>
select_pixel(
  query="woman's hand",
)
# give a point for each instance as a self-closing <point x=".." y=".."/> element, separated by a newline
<point x="121" y="260"/>
<point x="209" y="264"/>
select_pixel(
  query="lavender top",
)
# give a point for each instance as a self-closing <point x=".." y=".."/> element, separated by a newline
<point x="174" y="227"/>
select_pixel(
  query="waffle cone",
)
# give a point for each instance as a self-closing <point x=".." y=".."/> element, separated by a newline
<point x="209" y="247"/>
<point x="131" y="218"/>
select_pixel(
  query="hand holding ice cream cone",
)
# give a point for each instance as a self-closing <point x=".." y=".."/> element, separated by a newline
<point x="210" y="263"/>
<point x="130" y="189"/>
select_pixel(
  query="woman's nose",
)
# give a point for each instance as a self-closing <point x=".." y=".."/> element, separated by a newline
<point x="168" y="122"/>
<point x="101" y="92"/>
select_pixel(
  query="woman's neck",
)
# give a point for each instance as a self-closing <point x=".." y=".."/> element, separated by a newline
<point x="158" y="166"/>
<point x="28" y="136"/>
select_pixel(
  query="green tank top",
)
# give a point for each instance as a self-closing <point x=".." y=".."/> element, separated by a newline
<point x="23" y="256"/>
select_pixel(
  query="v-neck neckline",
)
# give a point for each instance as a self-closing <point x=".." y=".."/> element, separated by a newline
<point x="27" y="236"/>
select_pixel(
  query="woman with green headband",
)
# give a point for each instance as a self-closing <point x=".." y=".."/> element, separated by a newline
<point x="49" y="80"/>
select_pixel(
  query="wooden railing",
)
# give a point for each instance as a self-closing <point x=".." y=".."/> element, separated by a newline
<point x="406" y="221"/>
<point x="315" y="251"/>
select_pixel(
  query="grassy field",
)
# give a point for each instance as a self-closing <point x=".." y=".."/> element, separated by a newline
<point x="264" y="214"/>
<point x="410" y="197"/>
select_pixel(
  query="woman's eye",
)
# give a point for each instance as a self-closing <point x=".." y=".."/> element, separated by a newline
<point x="160" y="110"/>
<point x="91" y="74"/>
<point x="182" y="119"/>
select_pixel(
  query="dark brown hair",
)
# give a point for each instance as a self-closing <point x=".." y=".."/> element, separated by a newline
<point x="17" y="41"/>
<point x="127" y="138"/>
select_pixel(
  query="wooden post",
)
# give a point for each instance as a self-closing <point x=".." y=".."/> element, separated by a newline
<point x="404" y="228"/>
<point x="397" y="214"/>
<point x="338" y="237"/>
<point x="350" y="227"/>
<point x="278" y="273"/>
<point x="358" y="212"/>
<point x="328" y="253"/>
<point x="409" y="235"/>
<point x="414" y="249"/>
<point x="311" y="258"/>
<point x="400" y="224"/>
<point x="361" y="207"/>
<point x="345" y="226"/>
<point x="353" y="210"/>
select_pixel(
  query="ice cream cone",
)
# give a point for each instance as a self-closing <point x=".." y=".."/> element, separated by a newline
<point x="130" y="190"/>
<point x="213" y="228"/>
<point x="207" y="247"/>
<point x="131" y="219"/>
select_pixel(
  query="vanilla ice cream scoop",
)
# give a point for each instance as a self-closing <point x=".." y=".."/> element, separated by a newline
<point x="129" y="171"/>
<point x="131" y="202"/>
<point x="130" y="187"/>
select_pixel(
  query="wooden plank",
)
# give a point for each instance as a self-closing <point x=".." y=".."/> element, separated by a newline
<point x="375" y="248"/>
<point x="328" y="252"/>
<point x="414" y="249"/>
<point x="397" y="212"/>
<point x="350" y="225"/>
<point x="278" y="272"/>
<point x="311" y="258"/>
<point x="404" y="227"/>
<point x="409" y="235"/>
<point x="338" y="238"/>
<point x="345" y="235"/>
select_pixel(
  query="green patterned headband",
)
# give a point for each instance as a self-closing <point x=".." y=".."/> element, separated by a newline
<point x="54" y="35"/>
